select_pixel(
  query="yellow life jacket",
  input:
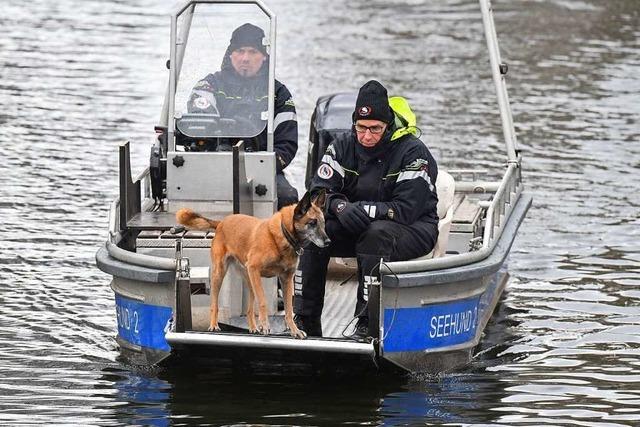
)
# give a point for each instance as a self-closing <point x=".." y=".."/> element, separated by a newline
<point x="405" y="118"/>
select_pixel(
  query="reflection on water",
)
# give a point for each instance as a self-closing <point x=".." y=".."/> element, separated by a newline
<point x="77" y="78"/>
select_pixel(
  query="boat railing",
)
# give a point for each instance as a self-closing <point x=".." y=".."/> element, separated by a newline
<point x="115" y="229"/>
<point x="497" y="214"/>
<point x="501" y="204"/>
<point x="114" y="222"/>
<point x="115" y="233"/>
<point x="145" y="184"/>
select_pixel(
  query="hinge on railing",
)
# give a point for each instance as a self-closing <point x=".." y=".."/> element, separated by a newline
<point x="183" y="266"/>
<point x="182" y="312"/>
<point x="475" y="244"/>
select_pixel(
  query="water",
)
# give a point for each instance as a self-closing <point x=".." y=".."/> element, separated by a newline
<point x="79" y="77"/>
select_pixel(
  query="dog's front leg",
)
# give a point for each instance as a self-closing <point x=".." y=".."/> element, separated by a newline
<point x="217" y="275"/>
<point x="255" y="281"/>
<point x="287" y="287"/>
<point x="251" y="315"/>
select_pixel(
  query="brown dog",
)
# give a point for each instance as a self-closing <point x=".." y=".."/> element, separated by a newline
<point x="266" y="248"/>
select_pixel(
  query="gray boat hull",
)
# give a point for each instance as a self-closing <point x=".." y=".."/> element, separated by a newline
<point x="429" y="321"/>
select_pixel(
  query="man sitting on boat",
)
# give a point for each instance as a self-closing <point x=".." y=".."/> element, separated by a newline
<point x="239" y="91"/>
<point x="381" y="203"/>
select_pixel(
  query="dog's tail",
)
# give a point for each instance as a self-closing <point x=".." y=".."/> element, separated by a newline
<point x="195" y="221"/>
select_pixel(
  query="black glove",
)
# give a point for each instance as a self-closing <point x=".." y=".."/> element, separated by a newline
<point x="352" y="217"/>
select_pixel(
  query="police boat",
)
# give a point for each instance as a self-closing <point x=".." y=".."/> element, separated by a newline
<point x="429" y="313"/>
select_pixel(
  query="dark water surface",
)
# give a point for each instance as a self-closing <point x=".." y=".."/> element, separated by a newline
<point x="79" y="77"/>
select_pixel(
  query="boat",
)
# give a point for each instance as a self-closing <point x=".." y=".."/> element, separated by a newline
<point x="429" y="313"/>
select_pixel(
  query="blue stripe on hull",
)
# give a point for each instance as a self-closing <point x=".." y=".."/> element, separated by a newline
<point x="142" y="324"/>
<point x="431" y="326"/>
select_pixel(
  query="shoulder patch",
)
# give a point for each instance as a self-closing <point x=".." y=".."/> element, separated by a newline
<point x="417" y="165"/>
<point x="325" y="171"/>
<point x="289" y="102"/>
<point x="201" y="103"/>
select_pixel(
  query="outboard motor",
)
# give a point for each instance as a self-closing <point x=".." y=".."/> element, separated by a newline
<point x="332" y="117"/>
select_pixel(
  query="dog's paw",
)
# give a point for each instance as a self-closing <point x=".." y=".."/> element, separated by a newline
<point x="214" y="328"/>
<point x="298" y="334"/>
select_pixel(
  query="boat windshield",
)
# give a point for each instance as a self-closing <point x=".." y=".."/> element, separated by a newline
<point x="222" y="89"/>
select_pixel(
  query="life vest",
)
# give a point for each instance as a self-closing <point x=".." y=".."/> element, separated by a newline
<point x="405" y="118"/>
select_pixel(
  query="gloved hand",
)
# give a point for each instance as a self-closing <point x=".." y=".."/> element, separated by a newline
<point x="352" y="217"/>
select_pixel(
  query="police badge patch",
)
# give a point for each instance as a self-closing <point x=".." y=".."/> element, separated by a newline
<point x="365" y="111"/>
<point x="201" y="103"/>
<point x="325" y="171"/>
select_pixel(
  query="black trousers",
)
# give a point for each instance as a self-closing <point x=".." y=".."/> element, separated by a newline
<point x="287" y="194"/>
<point x="386" y="240"/>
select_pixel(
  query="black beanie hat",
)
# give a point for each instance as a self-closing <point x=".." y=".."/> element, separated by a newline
<point x="373" y="103"/>
<point x="247" y="35"/>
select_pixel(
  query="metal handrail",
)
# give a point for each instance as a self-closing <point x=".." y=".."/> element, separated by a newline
<point x="507" y="187"/>
<point x="145" y="183"/>
<point x="114" y="222"/>
<point x="509" y="182"/>
<point x="499" y="81"/>
<point x="141" y="260"/>
<point x="115" y="235"/>
<point x="177" y="53"/>
<point x="510" y="187"/>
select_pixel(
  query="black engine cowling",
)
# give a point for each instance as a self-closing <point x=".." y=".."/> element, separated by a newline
<point x="331" y="117"/>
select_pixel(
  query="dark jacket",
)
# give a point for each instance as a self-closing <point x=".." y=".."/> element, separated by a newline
<point x="231" y="95"/>
<point x="394" y="181"/>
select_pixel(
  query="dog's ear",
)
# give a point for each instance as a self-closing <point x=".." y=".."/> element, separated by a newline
<point x="303" y="206"/>
<point x="319" y="198"/>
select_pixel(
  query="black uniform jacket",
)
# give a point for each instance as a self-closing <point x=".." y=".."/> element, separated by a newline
<point x="394" y="181"/>
<point x="231" y="95"/>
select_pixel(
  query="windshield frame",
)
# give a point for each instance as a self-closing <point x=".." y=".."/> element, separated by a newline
<point x="177" y="53"/>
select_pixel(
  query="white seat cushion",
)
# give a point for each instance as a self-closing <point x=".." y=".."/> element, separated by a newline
<point x="446" y="188"/>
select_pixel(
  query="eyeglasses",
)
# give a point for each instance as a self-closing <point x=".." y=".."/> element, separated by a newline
<point x="375" y="130"/>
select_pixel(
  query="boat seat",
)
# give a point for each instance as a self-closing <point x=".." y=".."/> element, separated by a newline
<point x="446" y="188"/>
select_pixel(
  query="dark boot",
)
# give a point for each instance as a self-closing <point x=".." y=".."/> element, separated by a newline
<point x="312" y="325"/>
<point x="309" y="283"/>
<point x="368" y="296"/>
<point x="361" y="331"/>
<point x="368" y="276"/>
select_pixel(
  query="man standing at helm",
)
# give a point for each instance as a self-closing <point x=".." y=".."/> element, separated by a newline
<point x="381" y="204"/>
<point x="239" y="90"/>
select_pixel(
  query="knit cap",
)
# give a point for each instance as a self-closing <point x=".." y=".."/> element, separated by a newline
<point x="247" y="35"/>
<point x="373" y="103"/>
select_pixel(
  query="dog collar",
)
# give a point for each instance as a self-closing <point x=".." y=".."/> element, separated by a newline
<point x="292" y="240"/>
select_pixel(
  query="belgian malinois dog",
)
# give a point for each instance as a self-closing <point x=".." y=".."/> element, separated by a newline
<point x="266" y="248"/>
